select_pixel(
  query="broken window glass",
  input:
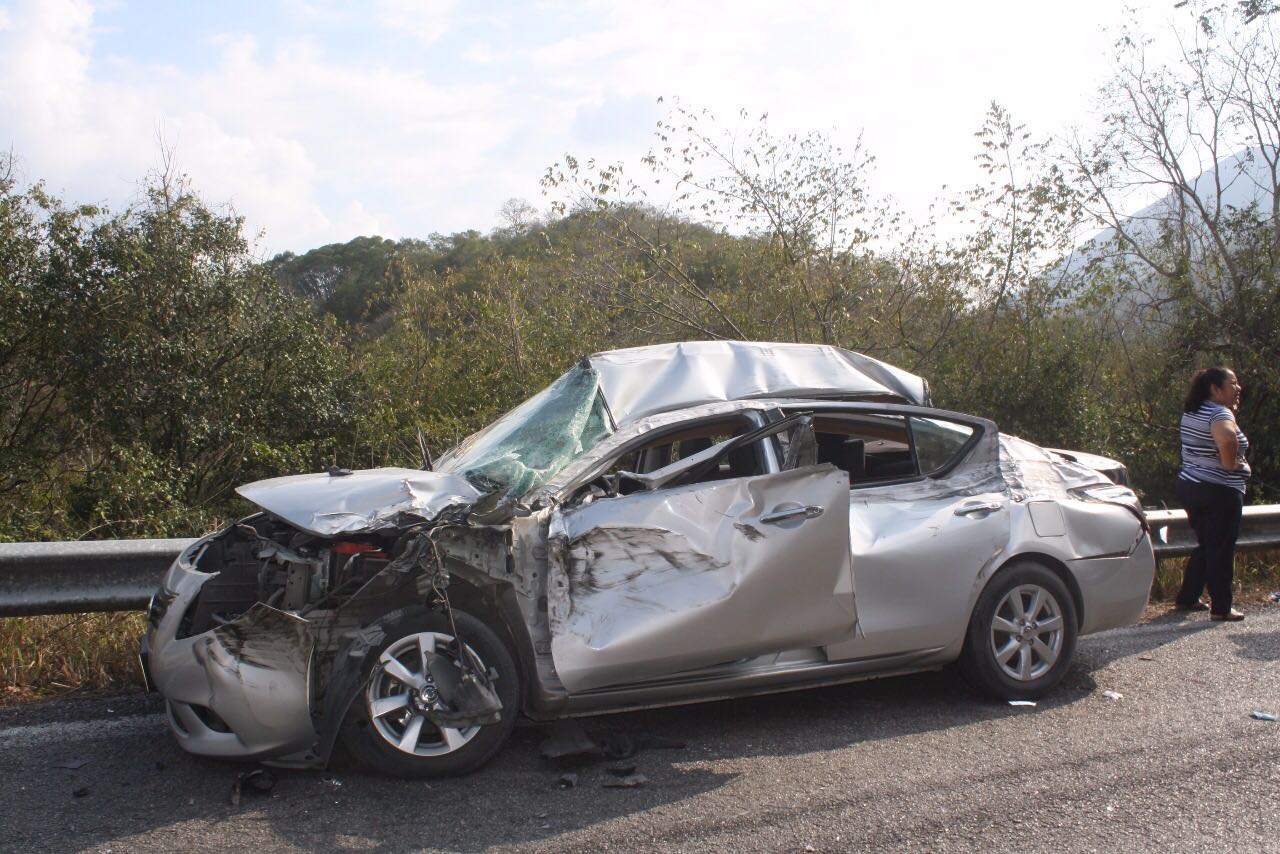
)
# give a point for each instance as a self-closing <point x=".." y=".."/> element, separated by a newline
<point x="524" y="448"/>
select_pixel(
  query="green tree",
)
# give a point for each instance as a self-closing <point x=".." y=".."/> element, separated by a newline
<point x="166" y="366"/>
<point x="1192" y="281"/>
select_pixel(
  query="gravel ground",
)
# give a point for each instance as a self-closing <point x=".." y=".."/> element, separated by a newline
<point x="1174" y="762"/>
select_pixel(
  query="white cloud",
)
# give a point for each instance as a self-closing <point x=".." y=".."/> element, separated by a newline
<point x="314" y="144"/>
<point x="424" y="20"/>
<point x="309" y="149"/>
<point x="480" y="54"/>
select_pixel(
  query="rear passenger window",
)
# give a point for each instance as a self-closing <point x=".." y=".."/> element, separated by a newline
<point x="870" y="447"/>
<point x="875" y="447"/>
<point x="938" y="442"/>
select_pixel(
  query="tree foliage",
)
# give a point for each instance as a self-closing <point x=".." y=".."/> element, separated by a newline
<point x="149" y="362"/>
<point x="1193" y="280"/>
<point x="150" y="351"/>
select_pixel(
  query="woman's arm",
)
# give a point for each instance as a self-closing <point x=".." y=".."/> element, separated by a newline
<point x="1224" y="434"/>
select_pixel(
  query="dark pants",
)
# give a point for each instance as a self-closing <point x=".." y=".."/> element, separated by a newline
<point x="1213" y="512"/>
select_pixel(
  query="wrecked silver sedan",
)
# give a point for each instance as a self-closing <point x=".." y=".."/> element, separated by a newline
<point x="661" y="525"/>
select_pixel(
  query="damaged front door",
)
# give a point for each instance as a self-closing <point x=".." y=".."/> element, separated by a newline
<point x="647" y="585"/>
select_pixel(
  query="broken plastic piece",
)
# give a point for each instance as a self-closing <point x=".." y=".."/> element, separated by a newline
<point x="1113" y="695"/>
<point x="1275" y="597"/>
<point x="259" y="781"/>
<point x="470" y="696"/>
<point x="568" y="738"/>
<point x="1022" y="702"/>
<point x="630" y="781"/>
<point x="73" y="764"/>
<point x="1263" y="716"/>
<point x="567" y="781"/>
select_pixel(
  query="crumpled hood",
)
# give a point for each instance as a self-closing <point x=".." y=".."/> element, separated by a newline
<point x="363" y="501"/>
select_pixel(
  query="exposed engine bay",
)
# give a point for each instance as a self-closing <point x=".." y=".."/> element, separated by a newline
<point x="302" y="611"/>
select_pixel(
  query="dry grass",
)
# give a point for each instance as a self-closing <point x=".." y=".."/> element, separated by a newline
<point x="1257" y="574"/>
<point x="48" y="656"/>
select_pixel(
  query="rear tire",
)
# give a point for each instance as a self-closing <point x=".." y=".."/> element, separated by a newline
<point x="385" y="731"/>
<point x="1022" y="633"/>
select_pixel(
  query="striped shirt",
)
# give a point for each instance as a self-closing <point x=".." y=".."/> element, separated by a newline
<point x="1200" y="458"/>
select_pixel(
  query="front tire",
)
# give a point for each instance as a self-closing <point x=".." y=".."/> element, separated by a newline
<point x="386" y="729"/>
<point x="1022" y="633"/>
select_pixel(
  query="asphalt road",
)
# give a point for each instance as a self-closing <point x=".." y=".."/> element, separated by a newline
<point x="919" y="763"/>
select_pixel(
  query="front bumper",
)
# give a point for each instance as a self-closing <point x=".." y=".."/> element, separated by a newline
<point x="240" y="690"/>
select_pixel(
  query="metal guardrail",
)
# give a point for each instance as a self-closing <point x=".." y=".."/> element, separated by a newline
<point x="121" y="575"/>
<point x="76" y="577"/>
<point x="1171" y="536"/>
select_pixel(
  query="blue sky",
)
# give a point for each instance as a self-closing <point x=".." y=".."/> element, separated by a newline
<point x="321" y="120"/>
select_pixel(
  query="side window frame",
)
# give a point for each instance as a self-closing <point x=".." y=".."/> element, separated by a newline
<point x="976" y="432"/>
<point x="909" y="415"/>
<point x="770" y="460"/>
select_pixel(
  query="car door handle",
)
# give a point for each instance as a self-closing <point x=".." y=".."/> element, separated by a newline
<point x="983" y="507"/>
<point x="812" y="511"/>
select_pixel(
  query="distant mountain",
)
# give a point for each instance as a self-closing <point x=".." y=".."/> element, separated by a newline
<point x="1234" y="184"/>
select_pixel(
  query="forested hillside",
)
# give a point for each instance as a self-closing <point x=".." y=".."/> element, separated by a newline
<point x="150" y="362"/>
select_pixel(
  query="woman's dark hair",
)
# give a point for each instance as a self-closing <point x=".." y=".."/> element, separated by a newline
<point x="1199" y="390"/>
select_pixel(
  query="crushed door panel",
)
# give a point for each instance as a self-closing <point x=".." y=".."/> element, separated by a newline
<point x="652" y="584"/>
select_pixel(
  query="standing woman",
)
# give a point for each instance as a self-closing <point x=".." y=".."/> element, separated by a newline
<point x="1211" y="488"/>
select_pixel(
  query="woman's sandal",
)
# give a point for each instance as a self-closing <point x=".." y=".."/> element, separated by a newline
<point x="1232" y="616"/>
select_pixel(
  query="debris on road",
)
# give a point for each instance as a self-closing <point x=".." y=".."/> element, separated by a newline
<point x="1275" y="597"/>
<point x="1263" y="716"/>
<point x="621" y="745"/>
<point x="567" y="739"/>
<point x="567" y="781"/>
<point x="1145" y="658"/>
<point x="630" y="781"/>
<point x="1113" y="695"/>
<point x="259" y="781"/>
<point x="332" y="781"/>
<point x="73" y="764"/>
<point x="1022" y="702"/>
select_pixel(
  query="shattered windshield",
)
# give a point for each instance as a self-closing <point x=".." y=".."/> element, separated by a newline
<point x="524" y="448"/>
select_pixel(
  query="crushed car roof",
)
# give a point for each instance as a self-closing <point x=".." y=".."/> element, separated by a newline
<point x="641" y="381"/>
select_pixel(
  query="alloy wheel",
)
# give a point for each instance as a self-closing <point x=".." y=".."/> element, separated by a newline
<point x="402" y="691"/>
<point x="1027" y="632"/>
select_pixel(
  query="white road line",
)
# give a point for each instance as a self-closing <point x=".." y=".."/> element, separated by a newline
<point x="35" y="735"/>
